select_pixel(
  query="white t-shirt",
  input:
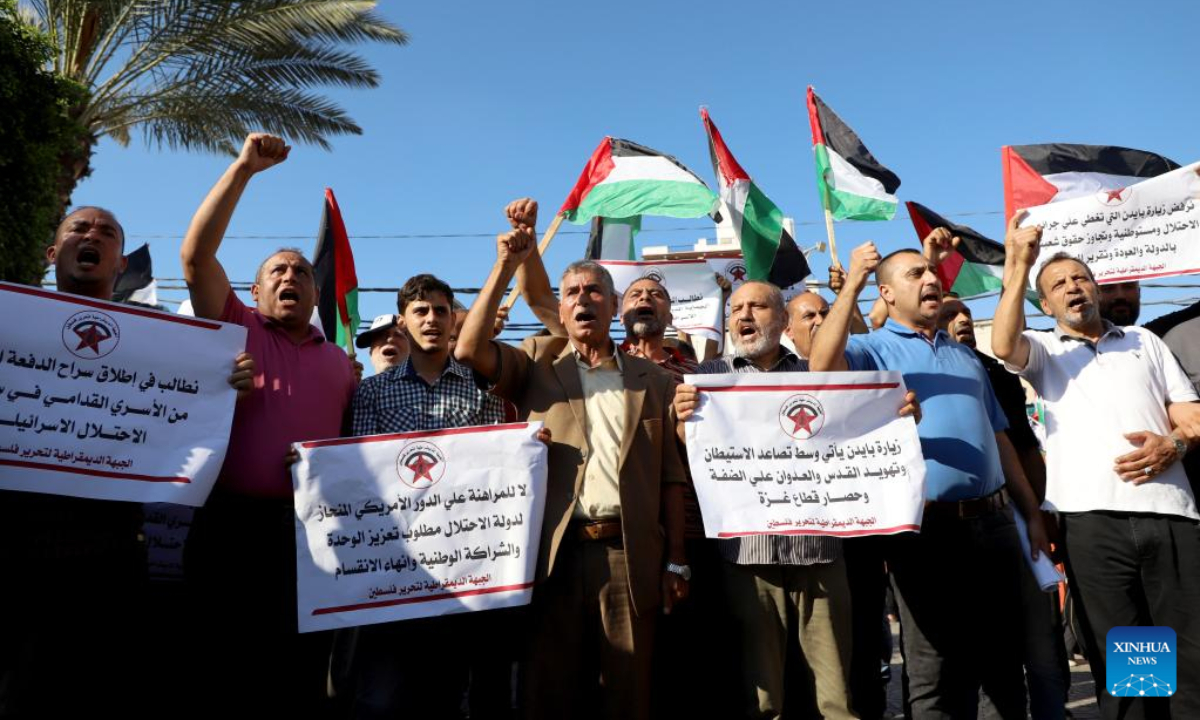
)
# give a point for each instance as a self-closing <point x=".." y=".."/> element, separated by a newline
<point x="1094" y="395"/>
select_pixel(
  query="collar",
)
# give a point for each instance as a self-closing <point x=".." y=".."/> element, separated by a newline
<point x="785" y="355"/>
<point x="406" y="371"/>
<point x="617" y="355"/>
<point x="1109" y="329"/>
<point x="905" y="331"/>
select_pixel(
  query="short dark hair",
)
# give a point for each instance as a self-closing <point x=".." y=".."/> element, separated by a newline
<point x="1058" y="257"/>
<point x="884" y="269"/>
<point x="104" y="210"/>
<point x="420" y="287"/>
<point x="595" y="268"/>
<point x="291" y="250"/>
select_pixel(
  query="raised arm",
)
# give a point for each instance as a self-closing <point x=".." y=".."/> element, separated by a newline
<point x="829" y="344"/>
<point x="531" y="275"/>
<point x="837" y="281"/>
<point x="474" y="346"/>
<point x="206" y="279"/>
<point x="1021" y="247"/>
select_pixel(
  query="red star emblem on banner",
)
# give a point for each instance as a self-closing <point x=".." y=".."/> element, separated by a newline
<point x="802" y="419"/>
<point x="421" y="468"/>
<point x="1114" y="195"/>
<point x="90" y="336"/>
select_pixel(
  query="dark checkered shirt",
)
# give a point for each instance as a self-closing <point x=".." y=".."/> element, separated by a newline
<point x="772" y="549"/>
<point x="399" y="400"/>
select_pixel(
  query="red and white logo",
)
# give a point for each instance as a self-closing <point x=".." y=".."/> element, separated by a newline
<point x="91" y="334"/>
<point x="654" y="274"/>
<point x="735" y="272"/>
<point x="1112" y="198"/>
<point x="801" y="416"/>
<point x="420" y="464"/>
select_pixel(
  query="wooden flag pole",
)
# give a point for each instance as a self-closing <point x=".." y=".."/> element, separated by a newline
<point x="541" y="250"/>
<point x="833" y="256"/>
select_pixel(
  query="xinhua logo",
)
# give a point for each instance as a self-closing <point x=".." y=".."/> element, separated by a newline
<point x="1141" y="662"/>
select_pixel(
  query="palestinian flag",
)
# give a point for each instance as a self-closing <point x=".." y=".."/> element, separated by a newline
<point x="333" y="268"/>
<point x="852" y="183"/>
<point x="977" y="265"/>
<point x="769" y="250"/>
<point x="612" y="238"/>
<point x="1040" y="174"/>
<point x="137" y="284"/>
<point x="623" y="179"/>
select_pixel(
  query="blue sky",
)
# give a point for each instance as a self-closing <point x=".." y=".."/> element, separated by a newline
<point x="493" y="101"/>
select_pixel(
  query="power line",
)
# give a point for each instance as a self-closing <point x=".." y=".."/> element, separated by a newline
<point x="492" y="234"/>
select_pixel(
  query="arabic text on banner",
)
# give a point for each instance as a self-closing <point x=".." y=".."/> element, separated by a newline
<point x="1147" y="230"/>
<point x="695" y="295"/>
<point x="109" y="401"/>
<point x="805" y="454"/>
<point x="393" y="527"/>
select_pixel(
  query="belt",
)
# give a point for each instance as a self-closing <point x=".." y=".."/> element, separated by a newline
<point x="967" y="509"/>
<point x="593" y="530"/>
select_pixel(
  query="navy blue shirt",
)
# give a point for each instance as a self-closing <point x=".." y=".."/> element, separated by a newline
<point x="960" y="415"/>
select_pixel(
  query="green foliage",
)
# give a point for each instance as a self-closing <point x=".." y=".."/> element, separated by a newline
<point x="36" y="133"/>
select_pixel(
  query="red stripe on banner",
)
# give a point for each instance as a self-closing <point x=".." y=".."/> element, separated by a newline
<point x="110" y="307"/>
<point x="648" y="263"/>
<point x="696" y="327"/>
<point x="1127" y="278"/>
<point x="95" y="473"/>
<point x="839" y="533"/>
<point x="427" y="598"/>
<point x="771" y="388"/>
<point x="402" y="436"/>
<point x="599" y="165"/>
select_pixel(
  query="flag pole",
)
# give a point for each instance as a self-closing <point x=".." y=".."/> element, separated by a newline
<point x="541" y="250"/>
<point x="833" y="256"/>
<point x="349" y="338"/>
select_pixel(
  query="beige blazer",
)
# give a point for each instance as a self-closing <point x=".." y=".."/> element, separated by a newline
<point x="542" y="380"/>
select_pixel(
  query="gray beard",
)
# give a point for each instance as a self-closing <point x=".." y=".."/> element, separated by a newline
<point x="756" y="349"/>
<point x="643" y="329"/>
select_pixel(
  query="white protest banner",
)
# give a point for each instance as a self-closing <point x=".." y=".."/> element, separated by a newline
<point x="109" y="401"/>
<point x="393" y="527"/>
<point x="695" y="294"/>
<point x="734" y="270"/>
<point x="1147" y="230"/>
<point x="805" y="454"/>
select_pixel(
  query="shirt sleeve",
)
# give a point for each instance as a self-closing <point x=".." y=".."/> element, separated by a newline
<point x="672" y="462"/>
<point x="1037" y="358"/>
<point x="514" y="368"/>
<point x="859" y="355"/>
<point x="1178" y="386"/>
<point x="235" y="310"/>
<point x="363" y="412"/>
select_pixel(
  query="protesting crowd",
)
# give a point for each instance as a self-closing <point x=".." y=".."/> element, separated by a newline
<point x="634" y="610"/>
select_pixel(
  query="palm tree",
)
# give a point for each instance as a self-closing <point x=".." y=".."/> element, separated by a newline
<point x="201" y="74"/>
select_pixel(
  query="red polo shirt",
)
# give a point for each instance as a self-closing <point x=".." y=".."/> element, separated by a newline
<point x="301" y="392"/>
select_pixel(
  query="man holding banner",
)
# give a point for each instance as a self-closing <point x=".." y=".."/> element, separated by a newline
<point x="953" y="640"/>
<point x="1129" y="523"/>
<point x="48" y="632"/>
<point x="770" y="579"/>
<point x="615" y="474"/>
<point x="241" y="553"/>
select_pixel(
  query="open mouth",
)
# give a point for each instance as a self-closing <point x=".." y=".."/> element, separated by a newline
<point x="389" y="351"/>
<point x="88" y="257"/>
<point x="1077" y="303"/>
<point x="747" y="331"/>
<point x="644" y="313"/>
<point x="584" y="316"/>
<point x="289" y="297"/>
<point x="931" y="296"/>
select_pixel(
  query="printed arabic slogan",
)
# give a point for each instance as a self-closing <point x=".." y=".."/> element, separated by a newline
<point x="1147" y="230"/>
<point x="108" y="401"/>
<point x="393" y="527"/>
<point x="805" y="454"/>
<point x="695" y="294"/>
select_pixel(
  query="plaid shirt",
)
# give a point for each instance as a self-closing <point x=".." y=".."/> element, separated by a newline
<point x="399" y="400"/>
<point x="772" y="549"/>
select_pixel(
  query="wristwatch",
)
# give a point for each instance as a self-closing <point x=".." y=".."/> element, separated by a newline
<point x="683" y="571"/>
<point x="1181" y="447"/>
